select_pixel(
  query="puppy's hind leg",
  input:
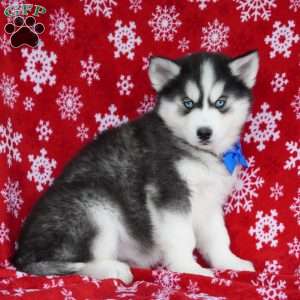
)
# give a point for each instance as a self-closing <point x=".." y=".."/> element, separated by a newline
<point x="104" y="269"/>
<point x="104" y="248"/>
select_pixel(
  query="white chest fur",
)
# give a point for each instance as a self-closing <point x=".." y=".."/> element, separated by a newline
<point x="208" y="181"/>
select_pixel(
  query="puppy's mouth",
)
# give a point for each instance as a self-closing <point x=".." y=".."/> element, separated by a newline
<point x="204" y="143"/>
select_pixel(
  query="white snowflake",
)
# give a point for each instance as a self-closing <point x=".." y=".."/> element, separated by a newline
<point x="296" y="104"/>
<point x="68" y="295"/>
<point x="279" y="82"/>
<point x="82" y="132"/>
<point x="89" y="70"/>
<point x="9" y="90"/>
<point x="4" y="231"/>
<point x="69" y="103"/>
<point x="245" y="189"/>
<point x="255" y="9"/>
<point x="94" y="281"/>
<point x="54" y="283"/>
<point x="110" y="119"/>
<point x="98" y="7"/>
<point x="41" y="169"/>
<point x="6" y="3"/>
<point x="38" y="67"/>
<point x="263" y="127"/>
<point x="183" y="44"/>
<point x="167" y="280"/>
<point x="267" y="285"/>
<point x="12" y="197"/>
<point x="295" y="207"/>
<point x="146" y="105"/>
<point x="193" y="292"/>
<point x="202" y="3"/>
<point x="19" y="292"/>
<point x="215" y="36"/>
<point x="146" y="61"/>
<point x="294" y="158"/>
<point x="276" y="191"/>
<point x="28" y="103"/>
<point x="282" y="39"/>
<point x="266" y="229"/>
<point x="10" y="141"/>
<point x="294" y="247"/>
<point x="128" y="291"/>
<point x="226" y="280"/>
<point x="297" y="275"/>
<point x="43" y="130"/>
<point x="135" y="5"/>
<point x="164" y="23"/>
<point x="124" y="39"/>
<point x="5" y="46"/>
<point x="62" y="26"/>
<point x="294" y="5"/>
<point x="125" y="85"/>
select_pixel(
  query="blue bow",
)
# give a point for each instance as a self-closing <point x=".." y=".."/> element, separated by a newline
<point x="234" y="157"/>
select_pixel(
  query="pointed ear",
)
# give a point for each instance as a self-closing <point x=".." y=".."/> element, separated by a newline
<point x="161" y="71"/>
<point x="246" y="68"/>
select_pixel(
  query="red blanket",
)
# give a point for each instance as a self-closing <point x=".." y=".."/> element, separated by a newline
<point x="89" y="73"/>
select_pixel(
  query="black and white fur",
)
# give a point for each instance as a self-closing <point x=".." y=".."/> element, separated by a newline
<point x="151" y="190"/>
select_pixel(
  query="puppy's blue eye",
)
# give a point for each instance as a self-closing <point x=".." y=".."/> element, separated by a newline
<point x="188" y="103"/>
<point x="220" y="103"/>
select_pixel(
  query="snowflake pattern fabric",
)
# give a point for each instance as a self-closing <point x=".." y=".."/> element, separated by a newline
<point x="9" y="90"/>
<point x="43" y="130"/>
<point x="124" y="39"/>
<point x="279" y="82"/>
<point x="99" y="7"/>
<point x="293" y="162"/>
<point x="202" y="4"/>
<point x="125" y="85"/>
<point x="282" y="39"/>
<point x="295" y="207"/>
<point x="296" y="104"/>
<point x="41" y="76"/>
<point x="89" y="74"/>
<point x="215" y="36"/>
<point x="12" y="197"/>
<point x="110" y="119"/>
<point x="89" y="70"/>
<point x="9" y="140"/>
<point x="255" y="9"/>
<point x="28" y="104"/>
<point x="164" y="23"/>
<point x="5" y="44"/>
<point x="41" y="169"/>
<point x="266" y="229"/>
<point x="245" y="189"/>
<point x="263" y="127"/>
<point x="62" y="26"/>
<point x="268" y="285"/>
<point x="69" y="103"/>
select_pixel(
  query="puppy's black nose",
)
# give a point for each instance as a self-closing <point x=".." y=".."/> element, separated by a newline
<point x="204" y="133"/>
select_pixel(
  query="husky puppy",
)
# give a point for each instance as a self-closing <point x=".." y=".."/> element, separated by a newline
<point x="151" y="190"/>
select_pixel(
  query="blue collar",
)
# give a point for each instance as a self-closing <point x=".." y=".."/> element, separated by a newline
<point x="234" y="157"/>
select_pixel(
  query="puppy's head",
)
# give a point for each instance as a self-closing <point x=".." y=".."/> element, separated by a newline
<point x="205" y="98"/>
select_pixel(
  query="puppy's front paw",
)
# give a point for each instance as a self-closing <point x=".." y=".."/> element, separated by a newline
<point x="192" y="268"/>
<point x="237" y="264"/>
<point x="244" y="265"/>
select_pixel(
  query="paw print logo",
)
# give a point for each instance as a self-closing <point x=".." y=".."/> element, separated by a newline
<point x="24" y="32"/>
